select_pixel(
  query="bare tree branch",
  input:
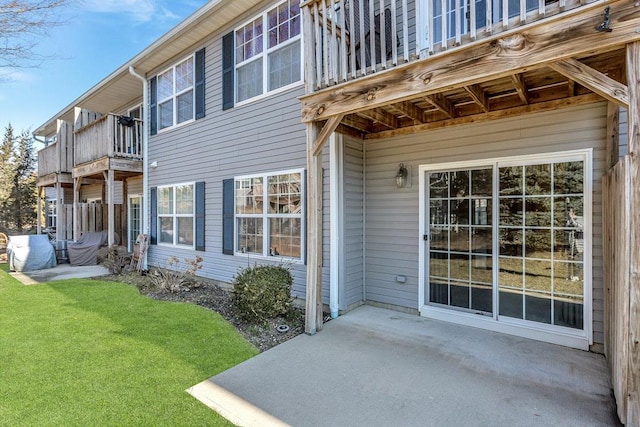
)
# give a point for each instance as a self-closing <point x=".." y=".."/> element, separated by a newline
<point x="22" y="23"/>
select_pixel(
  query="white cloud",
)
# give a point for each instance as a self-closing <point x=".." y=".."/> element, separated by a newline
<point x="139" y="10"/>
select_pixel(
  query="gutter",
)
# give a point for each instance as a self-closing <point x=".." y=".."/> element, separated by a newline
<point x="145" y="158"/>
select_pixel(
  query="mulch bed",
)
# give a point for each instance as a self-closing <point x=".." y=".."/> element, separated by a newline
<point x="217" y="297"/>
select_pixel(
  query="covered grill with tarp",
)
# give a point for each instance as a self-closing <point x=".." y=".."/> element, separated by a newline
<point x="30" y="252"/>
<point x="85" y="250"/>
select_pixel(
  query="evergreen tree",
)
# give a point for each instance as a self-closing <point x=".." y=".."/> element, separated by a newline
<point x="23" y="196"/>
<point x="6" y="174"/>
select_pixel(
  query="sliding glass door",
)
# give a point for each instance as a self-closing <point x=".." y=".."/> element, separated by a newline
<point x="508" y="240"/>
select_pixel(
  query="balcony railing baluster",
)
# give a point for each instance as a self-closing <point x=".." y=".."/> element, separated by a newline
<point x="353" y="38"/>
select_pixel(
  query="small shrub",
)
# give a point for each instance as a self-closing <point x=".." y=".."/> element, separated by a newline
<point x="262" y="292"/>
<point x="174" y="277"/>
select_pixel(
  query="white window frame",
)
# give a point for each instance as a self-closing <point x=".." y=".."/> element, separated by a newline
<point x="130" y="218"/>
<point x="266" y="216"/>
<point x="52" y="212"/>
<point x="265" y="57"/>
<point x="175" y="216"/>
<point x="174" y="96"/>
<point x="577" y="338"/>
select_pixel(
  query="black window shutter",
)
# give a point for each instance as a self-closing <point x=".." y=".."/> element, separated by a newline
<point x="227" y="216"/>
<point x="200" y="216"/>
<point x="153" y="217"/>
<point x="227" y="71"/>
<point x="199" y="87"/>
<point x="153" y="106"/>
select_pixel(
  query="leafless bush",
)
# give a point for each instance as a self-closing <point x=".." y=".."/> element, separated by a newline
<point x="176" y="275"/>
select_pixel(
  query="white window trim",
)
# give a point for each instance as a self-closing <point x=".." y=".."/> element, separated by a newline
<point x="264" y="55"/>
<point x="129" y="217"/>
<point x="175" y="95"/>
<point x="175" y="215"/>
<point x="539" y="331"/>
<point x="135" y="107"/>
<point x="265" y="218"/>
<point x="51" y="217"/>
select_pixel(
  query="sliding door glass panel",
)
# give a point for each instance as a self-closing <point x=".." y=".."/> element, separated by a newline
<point x="541" y="243"/>
<point x="460" y="239"/>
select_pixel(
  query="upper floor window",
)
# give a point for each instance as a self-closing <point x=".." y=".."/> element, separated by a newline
<point x="268" y="51"/>
<point x="177" y="94"/>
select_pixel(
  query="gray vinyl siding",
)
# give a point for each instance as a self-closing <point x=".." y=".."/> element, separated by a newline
<point x="391" y="225"/>
<point x="264" y="135"/>
<point x="94" y="191"/>
<point x="134" y="186"/>
<point x="353" y="228"/>
<point x="91" y="192"/>
<point x="623" y="133"/>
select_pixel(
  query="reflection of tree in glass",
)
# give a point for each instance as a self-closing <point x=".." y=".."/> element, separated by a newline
<point x="568" y="178"/>
<point x="538" y="179"/>
<point x="511" y="181"/>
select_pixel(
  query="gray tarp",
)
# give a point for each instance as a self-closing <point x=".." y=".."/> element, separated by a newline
<point x="85" y="250"/>
<point x="29" y="253"/>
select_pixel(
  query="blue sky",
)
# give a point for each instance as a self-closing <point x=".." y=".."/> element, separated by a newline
<point x="97" y="37"/>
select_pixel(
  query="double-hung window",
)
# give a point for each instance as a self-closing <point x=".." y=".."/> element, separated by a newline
<point x="269" y="214"/>
<point x="176" y="94"/>
<point x="176" y="213"/>
<point x="268" y="51"/>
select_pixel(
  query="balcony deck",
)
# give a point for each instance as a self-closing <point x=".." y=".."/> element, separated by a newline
<point x="556" y="55"/>
<point x="109" y="143"/>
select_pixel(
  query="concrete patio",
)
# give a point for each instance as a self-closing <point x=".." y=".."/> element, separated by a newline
<point x="376" y="367"/>
<point x="59" y="272"/>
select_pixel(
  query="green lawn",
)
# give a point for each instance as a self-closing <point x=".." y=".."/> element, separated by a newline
<point x="92" y="353"/>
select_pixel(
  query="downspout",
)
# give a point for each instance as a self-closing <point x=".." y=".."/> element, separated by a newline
<point x="145" y="157"/>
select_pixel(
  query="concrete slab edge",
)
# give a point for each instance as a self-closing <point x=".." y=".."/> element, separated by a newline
<point x="233" y="408"/>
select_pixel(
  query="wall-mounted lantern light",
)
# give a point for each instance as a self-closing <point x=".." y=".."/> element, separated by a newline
<point x="402" y="176"/>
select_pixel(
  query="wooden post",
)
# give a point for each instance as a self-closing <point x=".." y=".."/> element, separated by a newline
<point x="309" y="50"/>
<point x="110" y="213"/>
<point x="61" y="233"/>
<point x="613" y="139"/>
<point x="124" y="223"/>
<point x="77" y="182"/>
<point x="39" y="200"/>
<point x="313" y="315"/>
<point x="633" y="83"/>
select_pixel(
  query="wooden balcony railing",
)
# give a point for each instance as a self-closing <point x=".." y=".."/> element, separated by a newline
<point x="348" y="39"/>
<point x="48" y="160"/>
<point x="111" y="136"/>
<point x="57" y="157"/>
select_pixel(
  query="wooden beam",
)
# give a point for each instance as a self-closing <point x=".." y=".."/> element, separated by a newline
<point x="570" y="35"/>
<point x="357" y="122"/>
<point x="328" y="128"/>
<point x="348" y="130"/>
<point x="410" y="110"/>
<point x="313" y="311"/>
<point x="612" y="151"/>
<point x="382" y="117"/>
<point x="521" y="87"/>
<point x="483" y="117"/>
<point x="633" y="80"/>
<point x="571" y="87"/>
<point x="479" y="96"/>
<point x="442" y="104"/>
<point x="593" y="80"/>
